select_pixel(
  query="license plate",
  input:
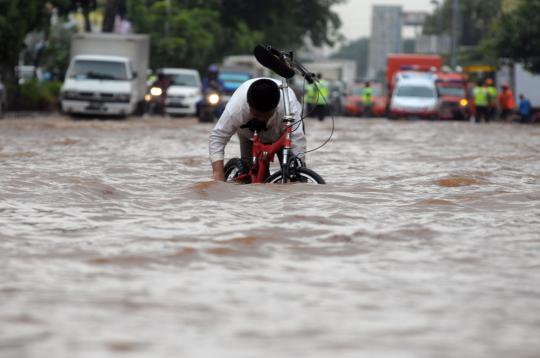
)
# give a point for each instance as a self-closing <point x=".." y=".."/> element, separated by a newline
<point x="96" y="106"/>
<point x="446" y="113"/>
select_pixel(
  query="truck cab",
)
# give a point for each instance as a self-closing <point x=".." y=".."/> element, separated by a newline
<point x="98" y="84"/>
<point x="454" y="98"/>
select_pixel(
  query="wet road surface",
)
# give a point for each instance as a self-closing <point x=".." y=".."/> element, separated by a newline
<point x="114" y="243"/>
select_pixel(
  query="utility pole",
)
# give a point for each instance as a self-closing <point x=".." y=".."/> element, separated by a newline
<point x="455" y="33"/>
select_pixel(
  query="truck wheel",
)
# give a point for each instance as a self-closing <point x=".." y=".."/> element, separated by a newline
<point x="206" y="116"/>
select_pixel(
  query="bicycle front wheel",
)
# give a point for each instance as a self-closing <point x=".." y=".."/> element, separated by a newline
<point x="297" y="175"/>
<point x="234" y="168"/>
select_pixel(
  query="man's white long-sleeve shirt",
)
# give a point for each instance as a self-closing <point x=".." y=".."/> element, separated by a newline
<point x="237" y="113"/>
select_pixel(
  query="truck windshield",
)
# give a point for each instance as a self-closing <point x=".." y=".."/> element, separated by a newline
<point x="183" y="79"/>
<point x="451" y="91"/>
<point x="99" y="70"/>
<point x="415" y="91"/>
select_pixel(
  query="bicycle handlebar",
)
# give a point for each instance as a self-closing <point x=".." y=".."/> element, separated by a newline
<point x="282" y="63"/>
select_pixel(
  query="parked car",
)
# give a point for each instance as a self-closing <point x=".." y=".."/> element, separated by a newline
<point x="184" y="92"/>
<point x="353" y="103"/>
<point x="3" y="99"/>
<point x="415" y="97"/>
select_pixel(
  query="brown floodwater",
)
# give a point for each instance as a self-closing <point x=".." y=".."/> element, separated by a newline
<point x="115" y="243"/>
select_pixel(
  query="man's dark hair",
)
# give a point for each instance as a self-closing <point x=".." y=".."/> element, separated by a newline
<point x="263" y="95"/>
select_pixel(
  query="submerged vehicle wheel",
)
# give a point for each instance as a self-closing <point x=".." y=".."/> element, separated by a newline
<point x="297" y="175"/>
<point x="206" y="115"/>
<point x="233" y="169"/>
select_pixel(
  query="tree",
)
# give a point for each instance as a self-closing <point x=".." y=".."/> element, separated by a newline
<point x="112" y="9"/>
<point x="198" y="32"/>
<point x="358" y="51"/>
<point x="517" y="35"/>
<point x="285" y="23"/>
<point x="475" y="20"/>
<point x="17" y="18"/>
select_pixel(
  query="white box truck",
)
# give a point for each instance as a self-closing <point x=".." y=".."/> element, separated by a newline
<point x="106" y="75"/>
<point x="334" y="70"/>
<point x="522" y="82"/>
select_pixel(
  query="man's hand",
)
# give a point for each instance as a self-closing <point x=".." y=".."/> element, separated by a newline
<point x="218" y="170"/>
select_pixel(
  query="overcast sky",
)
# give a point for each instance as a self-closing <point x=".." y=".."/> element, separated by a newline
<point x="356" y="14"/>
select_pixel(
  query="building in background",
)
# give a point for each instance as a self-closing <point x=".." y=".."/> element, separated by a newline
<point x="436" y="44"/>
<point x="386" y="37"/>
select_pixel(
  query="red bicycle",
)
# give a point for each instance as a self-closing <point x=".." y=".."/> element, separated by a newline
<point x="292" y="169"/>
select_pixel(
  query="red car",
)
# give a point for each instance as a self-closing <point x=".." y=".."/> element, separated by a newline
<point x="353" y="102"/>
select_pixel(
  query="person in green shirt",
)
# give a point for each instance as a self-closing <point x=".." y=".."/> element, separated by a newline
<point x="367" y="99"/>
<point x="481" y="102"/>
<point x="492" y="100"/>
<point x="317" y="98"/>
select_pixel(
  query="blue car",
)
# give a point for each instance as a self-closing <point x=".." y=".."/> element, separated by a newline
<point x="232" y="79"/>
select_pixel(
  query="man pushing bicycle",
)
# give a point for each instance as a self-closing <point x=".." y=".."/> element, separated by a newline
<point x="257" y="105"/>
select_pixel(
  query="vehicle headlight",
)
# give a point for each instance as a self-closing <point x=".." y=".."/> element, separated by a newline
<point x="156" y="91"/>
<point x="463" y="102"/>
<point x="213" y="98"/>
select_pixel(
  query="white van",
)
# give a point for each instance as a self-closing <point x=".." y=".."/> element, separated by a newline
<point x="106" y="75"/>
<point x="184" y="92"/>
<point x="100" y="85"/>
<point x="415" y="97"/>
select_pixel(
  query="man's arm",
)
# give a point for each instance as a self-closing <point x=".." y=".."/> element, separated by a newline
<point x="227" y="125"/>
<point x="218" y="170"/>
<point x="298" y="137"/>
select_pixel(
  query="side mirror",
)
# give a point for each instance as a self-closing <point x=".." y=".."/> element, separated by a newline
<point x="134" y="74"/>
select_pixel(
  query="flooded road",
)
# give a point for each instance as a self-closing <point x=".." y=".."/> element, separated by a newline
<point x="114" y="243"/>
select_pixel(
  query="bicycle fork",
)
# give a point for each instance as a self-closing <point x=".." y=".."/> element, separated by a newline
<point x="288" y="121"/>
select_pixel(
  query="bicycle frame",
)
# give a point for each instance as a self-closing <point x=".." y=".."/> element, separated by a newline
<point x="263" y="154"/>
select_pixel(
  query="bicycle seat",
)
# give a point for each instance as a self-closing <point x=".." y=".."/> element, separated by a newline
<point x="255" y="125"/>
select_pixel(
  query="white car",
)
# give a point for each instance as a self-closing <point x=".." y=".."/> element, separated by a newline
<point x="184" y="92"/>
<point x="415" y="97"/>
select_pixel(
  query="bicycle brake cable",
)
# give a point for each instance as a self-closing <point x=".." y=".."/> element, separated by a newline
<point x="333" y="125"/>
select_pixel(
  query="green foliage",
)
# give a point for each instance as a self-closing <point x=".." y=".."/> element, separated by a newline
<point x="17" y="18"/>
<point x="35" y="96"/>
<point x="195" y="33"/>
<point x="56" y="54"/>
<point x="517" y="35"/>
<point x="476" y="17"/>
